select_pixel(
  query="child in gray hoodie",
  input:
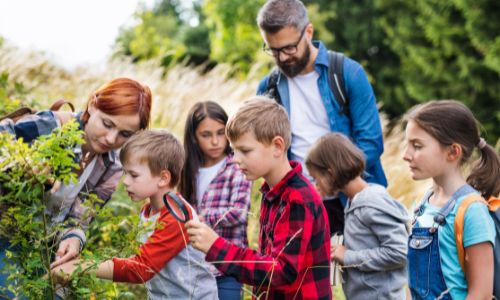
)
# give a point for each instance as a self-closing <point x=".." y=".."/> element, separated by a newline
<point x="376" y="226"/>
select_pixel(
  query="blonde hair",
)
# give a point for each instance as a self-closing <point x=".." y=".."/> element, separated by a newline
<point x="159" y="149"/>
<point x="263" y="117"/>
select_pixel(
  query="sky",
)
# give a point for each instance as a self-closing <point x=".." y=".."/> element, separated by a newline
<point x="70" y="32"/>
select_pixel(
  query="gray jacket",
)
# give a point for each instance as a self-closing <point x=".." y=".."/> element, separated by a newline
<point x="184" y="277"/>
<point x="376" y="239"/>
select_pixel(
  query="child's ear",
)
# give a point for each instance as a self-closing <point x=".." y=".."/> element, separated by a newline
<point x="278" y="144"/>
<point x="165" y="178"/>
<point x="454" y="152"/>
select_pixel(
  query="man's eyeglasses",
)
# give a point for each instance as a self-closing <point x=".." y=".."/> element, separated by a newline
<point x="288" y="49"/>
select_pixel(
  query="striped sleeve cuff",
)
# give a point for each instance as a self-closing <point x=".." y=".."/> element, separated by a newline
<point x="76" y="233"/>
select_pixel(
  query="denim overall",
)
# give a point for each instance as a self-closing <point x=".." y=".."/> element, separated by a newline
<point x="424" y="261"/>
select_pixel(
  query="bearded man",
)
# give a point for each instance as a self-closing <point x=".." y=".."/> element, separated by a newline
<point x="302" y="83"/>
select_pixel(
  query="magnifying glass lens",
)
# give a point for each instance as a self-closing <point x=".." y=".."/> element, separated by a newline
<point x="176" y="206"/>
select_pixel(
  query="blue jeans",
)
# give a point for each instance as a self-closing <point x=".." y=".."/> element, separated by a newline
<point x="228" y="288"/>
<point x="4" y="245"/>
<point x="4" y="261"/>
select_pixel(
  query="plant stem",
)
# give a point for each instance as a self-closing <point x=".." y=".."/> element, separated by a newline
<point x="47" y="249"/>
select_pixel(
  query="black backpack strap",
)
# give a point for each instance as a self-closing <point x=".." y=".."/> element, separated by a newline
<point x="272" y="85"/>
<point x="336" y="80"/>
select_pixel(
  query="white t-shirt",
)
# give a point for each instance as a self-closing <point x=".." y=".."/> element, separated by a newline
<point x="204" y="177"/>
<point x="308" y="117"/>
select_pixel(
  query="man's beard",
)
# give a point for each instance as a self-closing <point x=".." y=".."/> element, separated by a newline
<point x="297" y="65"/>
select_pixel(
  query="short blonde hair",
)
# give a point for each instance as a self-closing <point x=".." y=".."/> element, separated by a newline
<point x="262" y="116"/>
<point x="159" y="149"/>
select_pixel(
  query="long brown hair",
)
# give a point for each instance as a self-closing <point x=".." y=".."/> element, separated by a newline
<point x="450" y="121"/>
<point x="122" y="96"/>
<point x="194" y="155"/>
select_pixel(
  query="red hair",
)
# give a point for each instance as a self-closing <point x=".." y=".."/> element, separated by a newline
<point x="122" y="96"/>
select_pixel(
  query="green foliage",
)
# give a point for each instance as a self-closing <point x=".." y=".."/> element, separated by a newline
<point x="110" y="235"/>
<point x="447" y="50"/>
<point x="151" y="38"/>
<point x="165" y="32"/>
<point x="11" y="94"/>
<point x="234" y="35"/>
<point x="25" y="172"/>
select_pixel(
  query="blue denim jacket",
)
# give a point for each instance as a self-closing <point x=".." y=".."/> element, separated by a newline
<point x="362" y="124"/>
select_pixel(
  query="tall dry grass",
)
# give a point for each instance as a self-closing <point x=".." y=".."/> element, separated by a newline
<point x="173" y="95"/>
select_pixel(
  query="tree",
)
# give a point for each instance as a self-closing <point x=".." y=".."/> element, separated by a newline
<point x="447" y="49"/>
<point x="165" y="31"/>
<point x="234" y="34"/>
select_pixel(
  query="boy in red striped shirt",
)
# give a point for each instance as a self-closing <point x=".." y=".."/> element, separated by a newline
<point x="169" y="267"/>
<point x="293" y="261"/>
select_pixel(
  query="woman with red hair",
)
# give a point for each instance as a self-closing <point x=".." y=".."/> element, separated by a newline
<point x="113" y="113"/>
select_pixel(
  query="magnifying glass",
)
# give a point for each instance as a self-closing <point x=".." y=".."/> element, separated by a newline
<point x="176" y="206"/>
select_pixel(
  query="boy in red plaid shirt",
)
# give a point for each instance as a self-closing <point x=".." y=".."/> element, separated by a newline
<point x="293" y="261"/>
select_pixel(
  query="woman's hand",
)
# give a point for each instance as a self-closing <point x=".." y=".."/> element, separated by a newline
<point x="201" y="235"/>
<point x="68" y="250"/>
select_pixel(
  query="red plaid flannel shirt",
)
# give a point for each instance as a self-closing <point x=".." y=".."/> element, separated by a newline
<point x="293" y="261"/>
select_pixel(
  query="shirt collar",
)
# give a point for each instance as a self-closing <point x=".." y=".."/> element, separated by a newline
<point x="279" y="189"/>
<point x="322" y="57"/>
